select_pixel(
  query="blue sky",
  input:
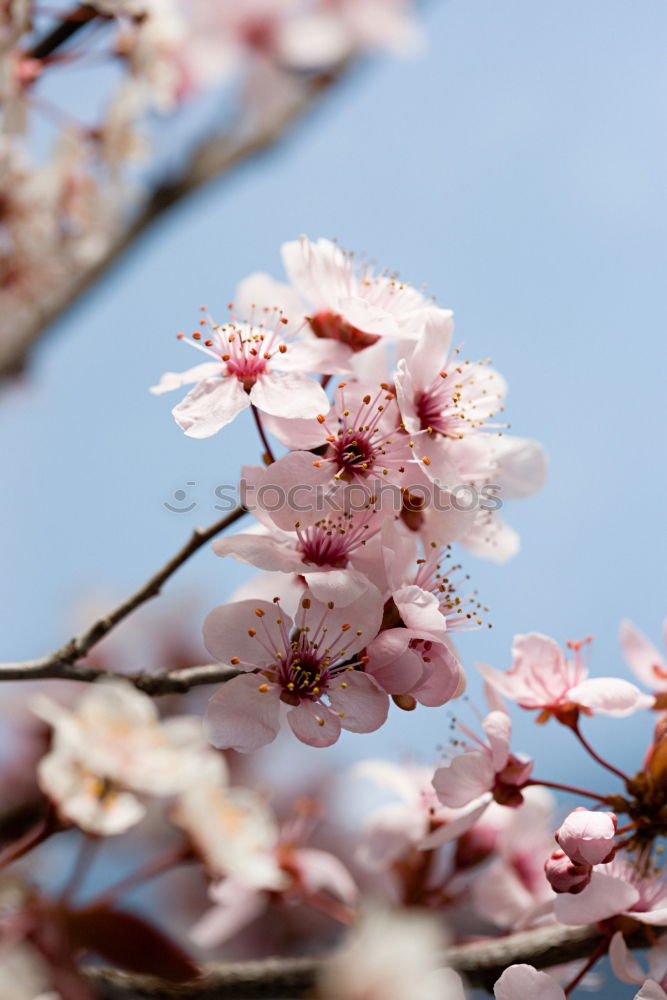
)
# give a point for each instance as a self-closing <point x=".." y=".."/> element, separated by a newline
<point x="517" y="167"/>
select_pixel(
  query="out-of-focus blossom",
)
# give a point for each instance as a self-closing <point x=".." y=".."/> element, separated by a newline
<point x="628" y="970"/>
<point x="616" y="889"/>
<point x="390" y="955"/>
<point x="523" y="982"/>
<point x="512" y="888"/>
<point x="588" y="837"/>
<point x="643" y="658"/>
<point x="541" y="677"/>
<point x="298" y="663"/>
<point x="232" y="828"/>
<point x="112" y="747"/>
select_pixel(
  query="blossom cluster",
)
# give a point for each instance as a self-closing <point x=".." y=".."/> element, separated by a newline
<point x="370" y="421"/>
<point x="364" y="591"/>
<point x="59" y="215"/>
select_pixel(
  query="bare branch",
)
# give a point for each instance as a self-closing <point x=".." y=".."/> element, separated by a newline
<point x="63" y="663"/>
<point x="213" y="158"/>
<point x="481" y="963"/>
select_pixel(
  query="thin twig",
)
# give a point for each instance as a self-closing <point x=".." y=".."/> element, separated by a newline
<point x="63" y="663"/>
<point x="481" y="963"/>
<point x="213" y="158"/>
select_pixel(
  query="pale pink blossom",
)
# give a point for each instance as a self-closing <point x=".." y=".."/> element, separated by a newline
<point x="511" y="888"/>
<point x="346" y="301"/>
<point x="628" y="970"/>
<point x="232" y="828"/>
<point x="390" y="830"/>
<point x="541" y="677"/>
<point x="616" y="889"/>
<point x="297" y="663"/>
<point x="588" y="837"/>
<point x="110" y="749"/>
<point x="480" y="775"/>
<point x="643" y="658"/>
<point x="523" y="982"/>
<point x="390" y="955"/>
<point x="254" y="364"/>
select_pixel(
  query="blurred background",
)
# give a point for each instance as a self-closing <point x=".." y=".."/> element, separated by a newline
<point x="517" y="167"/>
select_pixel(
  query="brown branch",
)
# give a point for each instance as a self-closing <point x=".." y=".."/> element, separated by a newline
<point x="67" y="27"/>
<point x="63" y="663"/>
<point x="213" y="158"/>
<point x="481" y="963"/>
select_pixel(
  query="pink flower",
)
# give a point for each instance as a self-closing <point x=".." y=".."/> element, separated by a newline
<point x="523" y="982"/>
<point x="254" y="364"/>
<point x="617" y="889"/>
<point x="297" y="663"/>
<point x="628" y="970"/>
<point x="347" y="302"/>
<point x="643" y="657"/>
<point x="541" y="677"/>
<point x="511" y="889"/>
<point x="588" y="837"/>
<point x="565" y="876"/>
<point x="479" y="776"/>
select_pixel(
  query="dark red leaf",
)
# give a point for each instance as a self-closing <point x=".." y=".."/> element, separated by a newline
<point x="131" y="943"/>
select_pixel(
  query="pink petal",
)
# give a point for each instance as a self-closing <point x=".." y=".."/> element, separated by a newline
<point x="314" y="724"/>
<point x="295" y="433"/>
<point x="465" y="778"/>
<point x="642" y="657"/>
<point x="291" y="394"/>
<point x="367" y="317"/>
<point x="174" y="380"/>
<point x="651" y="991"/>
<point x="236" y="906"/>
<point x="523" y="982"/>
<point x="604" y="896"/>
<point x="392" y="663"/>
<point x="522" y="466"/>
<point x="260" y="290"/>
<point x="610" y="696"/>
<point x="443" y="677"/>
<point x="359" y="701"/>
<point x="420" y="611"/>
<point x="322" y="870"/>
<point x="456" y="827"/>
<point x="492" y="538"/>
<point x="326" y="357"/>
<point x="240" y="716"/>
<point x="498" y="729"/>
<point x="291" y="491"/>
<point x="432" y="348"/>
<point x="625" y="966"/>
<point x="274" y="554"/>
<point x="210" y="406"/>
<point x="227" y="633"/>
<point x="342" y="586"/>
<point x="348" y="628"/>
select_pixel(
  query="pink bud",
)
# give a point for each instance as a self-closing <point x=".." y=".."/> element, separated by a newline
<point x="563" y="876"/>
<point x="588" y="837"/>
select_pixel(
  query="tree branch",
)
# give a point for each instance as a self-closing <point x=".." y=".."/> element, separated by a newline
<point x="63" y="663"/>
<point x="481" y="963"/>
<point x="213" y="158"/>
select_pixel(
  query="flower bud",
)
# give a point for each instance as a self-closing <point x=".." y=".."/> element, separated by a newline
<point x="588" y="837"/>
<point x="563" y="876"/>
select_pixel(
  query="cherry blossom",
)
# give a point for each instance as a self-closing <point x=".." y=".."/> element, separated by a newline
<point x="588" y="837"/>
<point x="628" y="970"/>
<point x="111" y="748"/>
<point x="233" y="830"/>
<point x="615" y="889"/>
<point x="564" y="875"/>
<point x="298" y="663"/>
<point x="390" y="955"/>
<point x="480" y="775"/>
<point x="523" y="982"/>
<point x="643" y="658"/>
<point x="253" y="365"/>
<point x="541" y="677"/>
